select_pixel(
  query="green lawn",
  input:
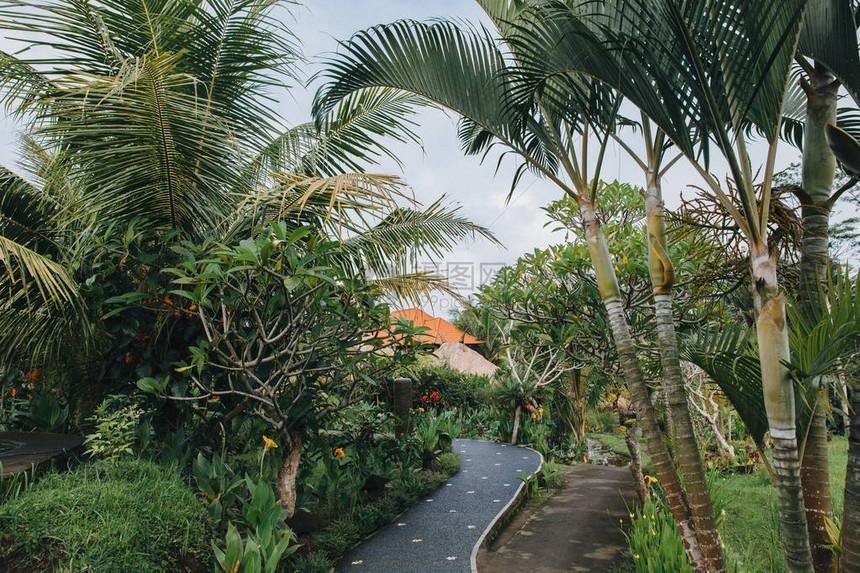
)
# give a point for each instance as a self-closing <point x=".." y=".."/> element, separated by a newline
<point x="750" y="527"/>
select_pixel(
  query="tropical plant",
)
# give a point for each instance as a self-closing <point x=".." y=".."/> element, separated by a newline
<point x="154" y="115"/>
<point x="707" y="80"/>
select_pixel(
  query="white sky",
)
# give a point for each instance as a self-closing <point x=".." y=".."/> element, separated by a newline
<point x="439" y="167"/>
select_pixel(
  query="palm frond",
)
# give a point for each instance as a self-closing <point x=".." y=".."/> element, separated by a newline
<point x="342" y="202"/>
<point x="824" y="333"/>
<point x="700" y="70"/>
<point x="406" y="234"/>
<point x="463" y="70"/>
<point x="727" y="357"/>
<point x="829" y="36"/>
<point x="414" y="288"/>
<point x="351" y="135"/>
<point x="143" y="147"/>
<point x="22" y="265"/>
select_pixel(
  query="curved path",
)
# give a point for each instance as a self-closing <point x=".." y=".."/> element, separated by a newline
<point x="443" y="532"/>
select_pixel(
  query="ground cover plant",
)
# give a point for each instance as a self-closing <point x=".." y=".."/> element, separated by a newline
<point x="117" y="515"/>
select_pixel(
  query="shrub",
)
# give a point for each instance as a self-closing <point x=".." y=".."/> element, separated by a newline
<point x="602" y="421"/>
<point x="108" y="516"/>
<point x="455" y="388"/>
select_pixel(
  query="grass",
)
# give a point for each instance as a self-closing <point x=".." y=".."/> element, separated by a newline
<point x="617" y="444"/>
<point x="750" y="528"/>
<point x="105" y="517"/>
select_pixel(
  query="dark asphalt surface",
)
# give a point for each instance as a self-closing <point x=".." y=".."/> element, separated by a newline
<point x="440" y="532"/>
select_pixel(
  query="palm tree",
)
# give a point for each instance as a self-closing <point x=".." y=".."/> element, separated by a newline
<point x="550" y="129"/>
<point x="827" y="53"/>
<point x="705" y="72"/>
<point x="654" y="165"/>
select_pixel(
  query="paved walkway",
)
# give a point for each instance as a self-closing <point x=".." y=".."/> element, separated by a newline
<point x="443" y="532"/>
<point x="577" y="529"/>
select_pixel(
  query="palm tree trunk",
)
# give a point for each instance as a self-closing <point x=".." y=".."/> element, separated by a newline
<point x="779" y="402"/>
<point x="850" y="556"/>
<point x="662" y="273"/>
<point x="667" y="473"/>
<point x="819" y="166"/>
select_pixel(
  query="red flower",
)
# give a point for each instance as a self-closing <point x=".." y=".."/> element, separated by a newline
<point x="423" y="398"/>
<point x="528" y="407"/>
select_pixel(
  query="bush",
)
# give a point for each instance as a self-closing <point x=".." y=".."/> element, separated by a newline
<point x="108" y="516"/>
<point x="602" y="421"/>
<point x="455" y="388"/>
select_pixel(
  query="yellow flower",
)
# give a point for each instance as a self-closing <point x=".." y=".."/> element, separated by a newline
<point x="338" y="453"/>
<point x="650" y="480"/>
<point x="269" y="443"/>
<point x="723" y="513"/>
<point x="421" y="409"/>
<point x="534" y="416"/>
<point x="636" y="556"/>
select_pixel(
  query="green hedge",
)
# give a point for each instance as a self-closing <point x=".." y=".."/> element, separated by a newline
<point x="105" y="517"/>
<point x="456" y="390"/>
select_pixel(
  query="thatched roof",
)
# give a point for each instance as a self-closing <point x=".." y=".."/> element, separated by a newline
<point x="463" y="359"/>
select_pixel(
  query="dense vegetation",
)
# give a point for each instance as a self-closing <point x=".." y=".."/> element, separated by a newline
<point x="205" y="293"/>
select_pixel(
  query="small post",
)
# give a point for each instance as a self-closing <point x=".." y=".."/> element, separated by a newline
<point x="402" y="405"/>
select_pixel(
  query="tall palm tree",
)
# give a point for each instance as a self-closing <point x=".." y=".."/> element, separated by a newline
<point x="704" y="72"/>
<point x="469" y="73"/>
<point x="827" y="53"/>
<point x="661" y="270"/>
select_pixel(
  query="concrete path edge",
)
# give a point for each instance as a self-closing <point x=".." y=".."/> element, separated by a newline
<point x="495" y="521"/>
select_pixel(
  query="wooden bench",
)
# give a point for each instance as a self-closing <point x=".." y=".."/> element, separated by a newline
<point x="20" y="451"/>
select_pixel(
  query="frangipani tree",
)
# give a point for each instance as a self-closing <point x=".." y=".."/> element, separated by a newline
<point x="286" y="333"/>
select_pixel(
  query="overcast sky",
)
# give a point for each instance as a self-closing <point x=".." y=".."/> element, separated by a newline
<point x="438" y="167"/>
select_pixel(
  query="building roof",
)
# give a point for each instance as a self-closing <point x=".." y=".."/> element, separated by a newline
<point x="441" y="330"/>
<point x="463" y="359"/>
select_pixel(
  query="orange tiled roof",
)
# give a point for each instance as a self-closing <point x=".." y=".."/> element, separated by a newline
<point x="439" y="328"/>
